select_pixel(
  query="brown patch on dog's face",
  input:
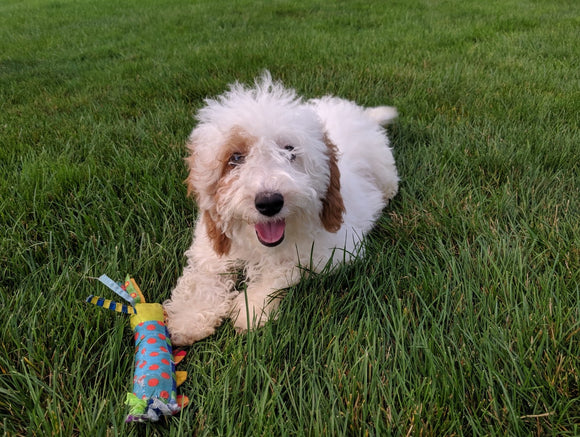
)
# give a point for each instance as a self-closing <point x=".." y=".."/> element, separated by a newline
<point x="238" y="143"/>
<point x="235" y="150"/>
<point x="231" y="154"/>
<point x="332" y="204"/>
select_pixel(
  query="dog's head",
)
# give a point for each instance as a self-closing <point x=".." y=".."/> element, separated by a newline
<point x="260" y="164"/>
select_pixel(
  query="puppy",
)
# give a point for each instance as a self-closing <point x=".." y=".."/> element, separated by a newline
<point x="281" y="184"/>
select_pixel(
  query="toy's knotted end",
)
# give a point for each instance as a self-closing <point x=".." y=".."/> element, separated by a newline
<point x="136" y="407"/>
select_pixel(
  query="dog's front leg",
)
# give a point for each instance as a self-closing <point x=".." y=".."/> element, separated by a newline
<point x="202" y="297"/>
<point x="254" y="307"/>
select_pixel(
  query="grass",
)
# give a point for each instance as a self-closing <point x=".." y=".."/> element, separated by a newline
<point x="462" y="319"/>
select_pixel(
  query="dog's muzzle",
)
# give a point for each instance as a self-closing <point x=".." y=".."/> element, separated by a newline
<point x="270" y="233"/>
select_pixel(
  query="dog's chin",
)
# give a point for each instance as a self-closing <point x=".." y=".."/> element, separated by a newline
<point x="270" y="234"/>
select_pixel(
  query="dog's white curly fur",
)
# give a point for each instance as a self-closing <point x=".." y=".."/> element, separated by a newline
<point x="280" y="183"/>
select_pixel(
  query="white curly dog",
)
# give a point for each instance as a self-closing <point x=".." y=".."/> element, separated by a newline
<point x="282" y="186"/>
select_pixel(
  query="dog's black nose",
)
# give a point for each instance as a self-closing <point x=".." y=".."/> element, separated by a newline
<point x="269" y="204"/>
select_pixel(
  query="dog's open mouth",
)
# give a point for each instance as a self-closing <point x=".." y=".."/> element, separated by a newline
<point x="271" y="233"/>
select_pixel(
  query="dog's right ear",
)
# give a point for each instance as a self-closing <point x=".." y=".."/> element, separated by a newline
<point x="220" y="241"/>
<point x="190" y="162"/>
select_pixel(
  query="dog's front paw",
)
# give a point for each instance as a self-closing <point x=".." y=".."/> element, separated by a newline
<point x="247" y="314"/>
<point x="187" y="324"/>
<point x="186" y="336"/>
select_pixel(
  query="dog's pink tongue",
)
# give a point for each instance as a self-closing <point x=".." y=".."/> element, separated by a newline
<point x="271" y="233"/>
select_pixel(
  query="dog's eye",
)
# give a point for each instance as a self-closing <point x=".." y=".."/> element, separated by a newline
<point x="290" y="148"/>
<point x="236" y="159"/>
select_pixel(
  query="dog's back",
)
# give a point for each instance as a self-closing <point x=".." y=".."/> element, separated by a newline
<point x="362" y="142"/>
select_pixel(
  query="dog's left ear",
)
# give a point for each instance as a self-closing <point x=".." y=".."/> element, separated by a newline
<point x="190" y="162"/>
<point x="190" y="177"/>
<point x="220" y="242"/>
<point x="332" y="203"/>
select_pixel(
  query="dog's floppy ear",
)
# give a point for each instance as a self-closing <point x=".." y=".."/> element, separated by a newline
<point x="191" y="191"/>
<point x="220" y="241"/>
<point x="332" y="203"/>
<point x="190" y="162"/>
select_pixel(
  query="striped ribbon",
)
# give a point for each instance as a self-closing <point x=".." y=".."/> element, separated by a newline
<point x="111" y="305"/>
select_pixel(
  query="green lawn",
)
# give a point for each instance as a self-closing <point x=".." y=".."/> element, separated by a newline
<point x="463" y="318"/>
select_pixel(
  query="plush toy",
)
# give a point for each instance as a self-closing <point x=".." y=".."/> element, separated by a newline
<point x="155" y="380"/>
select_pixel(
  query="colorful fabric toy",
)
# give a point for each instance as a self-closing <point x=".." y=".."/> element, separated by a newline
<point x="155" y="380"/>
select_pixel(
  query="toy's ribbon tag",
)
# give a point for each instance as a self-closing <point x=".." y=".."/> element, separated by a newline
<point x="134" y="290"/>
<point x="117" y="289"/>
<point x="134" y="294"/>
<point x="110" y="305"/>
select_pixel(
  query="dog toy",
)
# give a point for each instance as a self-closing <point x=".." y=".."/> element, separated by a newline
<point x="155" y="380"/>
